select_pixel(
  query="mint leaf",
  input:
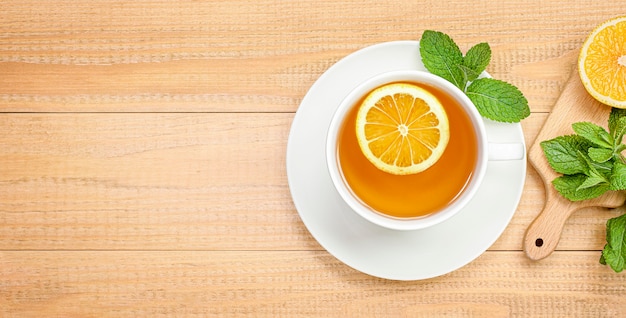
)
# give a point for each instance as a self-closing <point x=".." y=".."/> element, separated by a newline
<point x="498" y="100"/>
<point x="600" y="155"/>
<point x="569" y="186"/>
<point x="562" y="153"/>
<point x="594" y="133"/>
<point x="594" y="177"/>
<point x="593" y="180"/>
<point x="618" y="176"/>
<point x="594" y="169"/>
<point x="614" y="252"/>
<point x="617" y="124"/>
<point x="620" y="130"/>
<point x="441" y="56"/>
<point x="468" y="73"/>
<point x="477" y="58"/>
<point x="602" y="260"/>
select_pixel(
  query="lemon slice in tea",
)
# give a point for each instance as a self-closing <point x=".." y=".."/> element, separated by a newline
<point x="402" y="128"/>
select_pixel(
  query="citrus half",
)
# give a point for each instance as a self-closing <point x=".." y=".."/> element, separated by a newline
<point x="402" y="128"/>
<point x="602" y="63"/>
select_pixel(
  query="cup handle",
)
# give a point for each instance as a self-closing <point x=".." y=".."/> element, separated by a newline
<point x="506" y="151"/>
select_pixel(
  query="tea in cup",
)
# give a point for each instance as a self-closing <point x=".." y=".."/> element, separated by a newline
<point x="416" y="200"/>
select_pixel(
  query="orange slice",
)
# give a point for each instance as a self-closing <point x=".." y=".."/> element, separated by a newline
<point x="602" y="63"/>
<point x="402" y="128"/>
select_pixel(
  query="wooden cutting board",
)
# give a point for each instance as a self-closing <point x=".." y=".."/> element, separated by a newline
<point x="574" y="105"/>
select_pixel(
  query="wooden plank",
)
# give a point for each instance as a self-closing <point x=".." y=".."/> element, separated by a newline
<point x="298" y="284"/>
<point x="187" y="181"/>
<point x="85" y="56"/>
<point x="179" y="181"/>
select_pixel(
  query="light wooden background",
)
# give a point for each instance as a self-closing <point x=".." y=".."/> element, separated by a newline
<point x="142" y="160"/>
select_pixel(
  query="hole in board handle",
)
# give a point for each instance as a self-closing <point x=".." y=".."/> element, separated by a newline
<point x="539" y="242"/>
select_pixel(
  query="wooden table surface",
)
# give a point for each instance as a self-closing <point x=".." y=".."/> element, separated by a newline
<point x="142" y="160"/>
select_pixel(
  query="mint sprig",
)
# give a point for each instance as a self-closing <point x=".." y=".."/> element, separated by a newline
<point x="494" y="99"/>
<point x="589" y="160"/>
<point x="592" y="163"/>
<point x="614" y="252"/>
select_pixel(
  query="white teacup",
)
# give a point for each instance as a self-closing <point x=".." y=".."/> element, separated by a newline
<point x="486" y="151"/>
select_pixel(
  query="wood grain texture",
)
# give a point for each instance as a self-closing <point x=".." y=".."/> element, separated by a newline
<point x="146" y="181"/>
<point x="298" y="284"/>
<point x="142" y="160"/>
<point x="263" y="56"/>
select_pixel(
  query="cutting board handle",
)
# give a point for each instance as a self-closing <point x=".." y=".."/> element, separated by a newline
<point x="544" y="232"/>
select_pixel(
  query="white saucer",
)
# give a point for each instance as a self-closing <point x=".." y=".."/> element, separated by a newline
<point x="377" y="251"/>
